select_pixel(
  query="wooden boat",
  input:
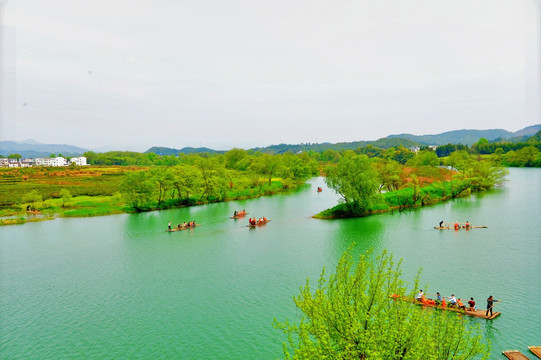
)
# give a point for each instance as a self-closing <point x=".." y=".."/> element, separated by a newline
<point x="35" y="212"/>
<point x="514" y="355"/>
<point x="258" y="224"/>
<point x="461" y="227"/>
<point x="181" y="228"/>
<point x="536" y="350"/>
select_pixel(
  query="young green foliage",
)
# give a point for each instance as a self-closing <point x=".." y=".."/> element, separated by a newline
<point x="358" y="313"/>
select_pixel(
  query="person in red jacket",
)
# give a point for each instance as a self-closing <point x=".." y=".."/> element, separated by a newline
<point x="471" y="303"/>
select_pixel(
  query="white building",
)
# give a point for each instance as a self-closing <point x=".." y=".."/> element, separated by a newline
<point x="57" y="161"/>
<point x="79" y="161"/>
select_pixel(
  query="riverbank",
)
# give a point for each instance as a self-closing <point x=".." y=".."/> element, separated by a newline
<point x="89" y="206"/>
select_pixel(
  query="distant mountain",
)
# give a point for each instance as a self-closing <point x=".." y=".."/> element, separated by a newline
<point x="185" y="150"/>
<point x="29" y="141"/>
<point x="464" y="137"/>
<point x="468" y="137"/>
<point x="35" y="149"/>
<point x="528" y="131"/>
<point x="31" y="148"/>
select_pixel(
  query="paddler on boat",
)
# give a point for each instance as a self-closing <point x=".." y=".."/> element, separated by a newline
<point x="460" y="304"/>
<point x="169" y="225"/>
<point x="456" y="225"/>
<point x="441" y="224"/>
<point x="490" y="304"/>
<point x="467" y="225"/>
<point x="419" y="296"/>
<point x="452" y="300"/>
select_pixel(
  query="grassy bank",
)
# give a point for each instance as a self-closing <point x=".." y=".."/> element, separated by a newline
<point x="399" y="200"/>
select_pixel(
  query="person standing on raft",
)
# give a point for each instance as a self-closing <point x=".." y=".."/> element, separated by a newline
<point x="490" y="305"/>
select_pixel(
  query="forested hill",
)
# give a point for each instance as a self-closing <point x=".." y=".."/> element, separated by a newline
<point x="469" y="137"/>
<point x="185" y="150"/>
<point x="384" y="143"/>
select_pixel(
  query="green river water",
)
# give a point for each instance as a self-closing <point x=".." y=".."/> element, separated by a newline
<point x="120" y="287"/>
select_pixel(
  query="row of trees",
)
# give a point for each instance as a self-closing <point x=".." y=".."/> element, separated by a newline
<point x="197" y="178"/>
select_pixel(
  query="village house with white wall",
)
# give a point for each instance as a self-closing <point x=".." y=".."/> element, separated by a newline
<point x="55" y="161"/>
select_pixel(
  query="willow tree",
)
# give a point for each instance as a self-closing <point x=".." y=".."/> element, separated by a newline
<point x="357" y="313"/>
<point x="355" y="180"/>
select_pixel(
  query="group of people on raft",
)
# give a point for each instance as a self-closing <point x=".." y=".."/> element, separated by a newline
<point x="457" y="225"/>
<point x="239" y="213"/>
<point x="440" y="301"/>
<point x="260" y="221"/>
<point x="453" y="302"/>
<point x="184" y="225"/>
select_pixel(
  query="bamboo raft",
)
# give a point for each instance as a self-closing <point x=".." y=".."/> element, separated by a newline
<point x="461" y="227"/>
<point x="536" y="350"/>
<point x="238" y="216"/>
<point x="181" y="228"/>
<point x="515" y="355"/>
<point x="258" y="224"/>
<point x="475" y="313"/>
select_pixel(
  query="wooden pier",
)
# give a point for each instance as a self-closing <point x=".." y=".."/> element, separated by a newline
<point x="515" y="355"/>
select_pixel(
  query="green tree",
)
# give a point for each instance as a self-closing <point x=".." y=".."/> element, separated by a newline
<point x="65" y="195"/>
<point x="186" y="180"/>
<point x="32" y="198"/>
<point x="357" y="313"/>
<point x="388" y="172"/>
<point x="14" y="156"/>
<point x="234" y="159"/>
<point x="424" y="158"/>
<point x="137" y="189"/>
<point x="523" y="157"/>
<point x="207" y="166"/>
<point x="458" y="160"/>
<point x="163" y="178"/>
<point x="355" y="179"/>
<point x="267" y="165"/>
<point x="399" y="153"/>
<point x="484" y="175"/>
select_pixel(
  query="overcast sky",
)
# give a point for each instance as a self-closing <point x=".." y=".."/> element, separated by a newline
<point x="223" y="74"/>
